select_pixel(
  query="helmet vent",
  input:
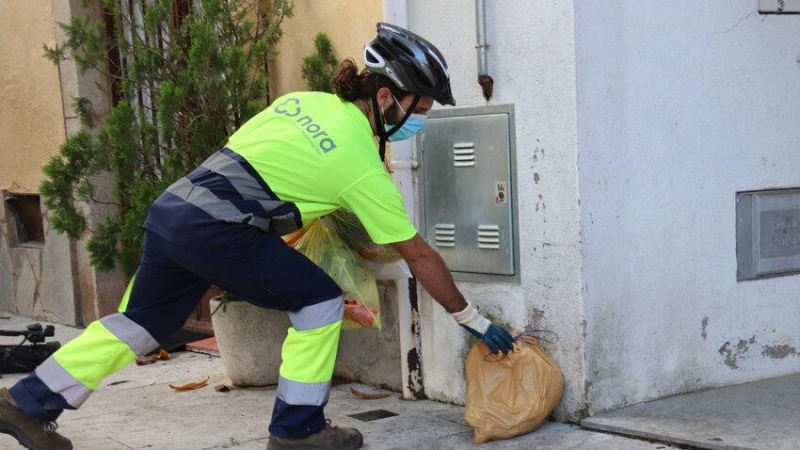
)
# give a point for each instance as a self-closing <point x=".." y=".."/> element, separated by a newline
<point x="412" y="63"/>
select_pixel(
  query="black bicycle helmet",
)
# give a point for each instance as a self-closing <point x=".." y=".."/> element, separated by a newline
<point x="412" y="63"/>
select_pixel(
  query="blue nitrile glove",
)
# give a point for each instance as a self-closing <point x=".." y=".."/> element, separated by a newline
<point x="497" y="338"/>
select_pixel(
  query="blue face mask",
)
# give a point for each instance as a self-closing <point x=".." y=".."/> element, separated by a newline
<point x="413" y="125"/>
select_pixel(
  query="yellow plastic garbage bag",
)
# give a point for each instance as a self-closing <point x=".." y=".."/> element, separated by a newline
<point x="510" y="395"/>
<point x="355" y="235"/>
<point x="321" y="244"/>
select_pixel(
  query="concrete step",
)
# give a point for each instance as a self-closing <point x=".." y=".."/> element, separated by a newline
<point x="758" y="415"/>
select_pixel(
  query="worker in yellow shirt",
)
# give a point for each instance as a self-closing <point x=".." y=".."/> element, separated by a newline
<point x="306" y="155"/>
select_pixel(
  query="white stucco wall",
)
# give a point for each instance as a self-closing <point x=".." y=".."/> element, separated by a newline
<point x="680" y="105"/>
<point x="531" y="58"/>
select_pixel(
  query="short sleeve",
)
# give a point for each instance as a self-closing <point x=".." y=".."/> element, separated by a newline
<point x="379" y="207"/>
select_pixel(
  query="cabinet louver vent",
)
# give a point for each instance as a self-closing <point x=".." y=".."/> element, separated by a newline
<point x="489" y="237"/>
<point x="464" y="154"/>
<point x="444" y="235"/>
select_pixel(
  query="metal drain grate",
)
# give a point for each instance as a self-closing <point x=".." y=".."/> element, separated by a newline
<point x="369" y="416"/>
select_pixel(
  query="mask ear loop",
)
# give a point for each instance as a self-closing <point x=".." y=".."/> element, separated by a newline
<point x="408" y="113"/>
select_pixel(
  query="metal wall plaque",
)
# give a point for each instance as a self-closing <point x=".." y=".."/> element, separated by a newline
<point x="767" y="233"/>
<point x="779" y="6"/>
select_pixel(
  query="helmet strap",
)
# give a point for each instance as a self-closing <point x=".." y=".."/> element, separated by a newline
<point x="383" y="134"/>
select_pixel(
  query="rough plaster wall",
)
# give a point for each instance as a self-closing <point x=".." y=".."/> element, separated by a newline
<point x="29" y="275"/>
<point x="35" y="268"/>
<point x="373" y="356"/>
<point x="349" y="24"/>
<point x="681" y="105"/>
<point x="58" y="301"/>
<point x="36" y="280"/>
<point x="6" y="271"/>
<point x="531" y="58"/>
<point x="31" y="116"/>
<point x="54" y="282"/>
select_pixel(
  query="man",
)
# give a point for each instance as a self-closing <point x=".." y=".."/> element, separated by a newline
<point x="305" y="156"/>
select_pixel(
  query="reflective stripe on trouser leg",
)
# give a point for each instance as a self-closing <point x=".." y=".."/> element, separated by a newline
<point x="67" y="378"/>
<point x="308" y="354"/>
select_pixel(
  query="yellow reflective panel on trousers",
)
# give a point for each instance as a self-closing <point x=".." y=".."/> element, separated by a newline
<point x="309" y="356"/>
<point x="124" y="303"/>
<point x="93" y="355"/>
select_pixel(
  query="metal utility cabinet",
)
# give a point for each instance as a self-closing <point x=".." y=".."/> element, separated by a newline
<point x="468" y="193"/>
<point x="767" y="233"/>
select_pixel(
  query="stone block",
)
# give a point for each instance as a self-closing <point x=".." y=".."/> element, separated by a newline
<point x="249" y="340"/>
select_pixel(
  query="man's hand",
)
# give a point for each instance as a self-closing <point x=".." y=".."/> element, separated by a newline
<point x="430" y="270"/>
<point x="495" y="337"/>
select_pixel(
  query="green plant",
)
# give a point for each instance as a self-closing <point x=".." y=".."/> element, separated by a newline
<point x="224" y="299"/>
<point x="188" y="73"/>
<point x="317" y="68"/>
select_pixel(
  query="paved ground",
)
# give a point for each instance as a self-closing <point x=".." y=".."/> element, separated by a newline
<point x="760" y="415"/>
<point x="136" y="409"/>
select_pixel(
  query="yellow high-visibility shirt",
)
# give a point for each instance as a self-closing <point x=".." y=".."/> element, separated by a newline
<point x="317" y="151"/>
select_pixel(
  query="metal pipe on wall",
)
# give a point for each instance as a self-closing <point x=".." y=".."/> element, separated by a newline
<point x="486" y="82"/>
<point x="402" y="164"/>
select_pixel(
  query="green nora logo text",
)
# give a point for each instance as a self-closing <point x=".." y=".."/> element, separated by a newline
<point x="310" y="129"/>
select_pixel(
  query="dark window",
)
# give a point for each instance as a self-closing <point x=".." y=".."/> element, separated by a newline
<point x="25" y="213"/>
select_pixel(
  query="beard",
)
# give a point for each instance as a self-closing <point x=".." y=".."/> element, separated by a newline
<point x="393" y="114"/>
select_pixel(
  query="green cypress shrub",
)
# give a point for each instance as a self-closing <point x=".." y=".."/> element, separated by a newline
<point x="188" y="74"/>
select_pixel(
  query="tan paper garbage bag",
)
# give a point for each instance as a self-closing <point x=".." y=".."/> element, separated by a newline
<point x="513" y="394"/>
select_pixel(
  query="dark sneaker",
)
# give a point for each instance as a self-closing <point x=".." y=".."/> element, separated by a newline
<point x="31" y="433"/>
<point x="331" y="438"/>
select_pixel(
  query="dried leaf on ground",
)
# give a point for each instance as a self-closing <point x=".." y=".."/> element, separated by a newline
<point x="190" y="386"/>
<point x="160" y="356"/>
<point x="374" y="395"/>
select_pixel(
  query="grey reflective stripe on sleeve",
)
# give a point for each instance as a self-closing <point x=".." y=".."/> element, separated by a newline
<point x="242" y="181"/>
<point x="297" y="393"/>
<point x="318" y="315"/>
<point x="60" y="381"/>
<point x="131" y="333"/>
<point x="213" y="205"/>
